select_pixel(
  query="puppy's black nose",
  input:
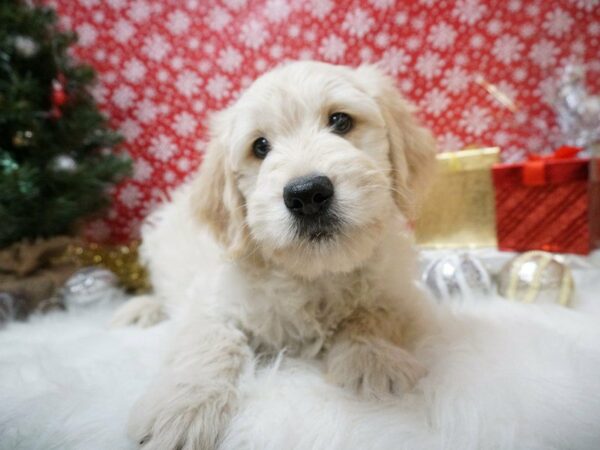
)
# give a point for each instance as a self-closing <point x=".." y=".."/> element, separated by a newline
<point x="309" y="195"/>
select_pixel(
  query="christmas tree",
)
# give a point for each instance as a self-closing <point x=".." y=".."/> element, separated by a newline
<point x="56" y="161"/>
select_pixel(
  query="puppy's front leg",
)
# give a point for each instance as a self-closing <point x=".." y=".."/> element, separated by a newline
<point x="190" y="403"/>
<point x="365" y="356"/>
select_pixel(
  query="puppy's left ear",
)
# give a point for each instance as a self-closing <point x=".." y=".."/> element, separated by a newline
<point x="412" y="147"/>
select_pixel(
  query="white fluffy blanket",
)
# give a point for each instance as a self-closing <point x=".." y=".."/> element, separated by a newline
<point x="501" y="376"/>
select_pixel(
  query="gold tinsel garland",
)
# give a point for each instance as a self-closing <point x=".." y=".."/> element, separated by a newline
<point x="122" y="260"/>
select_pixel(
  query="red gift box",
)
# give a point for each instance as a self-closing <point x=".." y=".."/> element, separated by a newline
<point x="546" y="204"/>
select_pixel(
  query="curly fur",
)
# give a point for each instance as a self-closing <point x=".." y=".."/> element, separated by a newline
<point x="350" y="301"/>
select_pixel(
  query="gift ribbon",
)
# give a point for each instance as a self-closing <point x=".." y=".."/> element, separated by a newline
<point x="534" y="169"/>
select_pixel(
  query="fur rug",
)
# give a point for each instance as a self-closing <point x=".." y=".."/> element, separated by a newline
<point x="501" y="376"/>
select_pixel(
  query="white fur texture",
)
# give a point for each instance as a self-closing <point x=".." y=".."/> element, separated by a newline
<point x="501" y="376"/>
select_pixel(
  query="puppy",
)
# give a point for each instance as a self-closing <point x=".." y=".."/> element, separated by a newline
<point x="293" y="236"/>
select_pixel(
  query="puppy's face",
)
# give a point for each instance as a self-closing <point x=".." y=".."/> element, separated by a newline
<point x="309" y="165"/>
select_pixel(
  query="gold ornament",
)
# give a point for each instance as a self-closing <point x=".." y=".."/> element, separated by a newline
<point x="459" y="211"/>
<point x="22" y="138"/>
<point x="536" y="277"/>
<point x="122" y="260"/>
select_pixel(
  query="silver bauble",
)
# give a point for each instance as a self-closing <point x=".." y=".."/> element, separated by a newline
<point x="90" y="285"/>
<point x="457" y="276"/>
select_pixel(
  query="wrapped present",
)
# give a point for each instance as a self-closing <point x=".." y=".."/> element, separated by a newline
<point x="544" y="203"/>
<point x="459" y="209"/>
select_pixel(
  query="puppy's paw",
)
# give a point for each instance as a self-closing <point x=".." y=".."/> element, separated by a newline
<point x="373" y="368"/>
<point x="143" y="311"/>
<point x="178" y="417"/>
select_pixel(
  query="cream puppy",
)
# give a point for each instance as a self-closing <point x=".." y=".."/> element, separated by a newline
<point x="292" y="236"/>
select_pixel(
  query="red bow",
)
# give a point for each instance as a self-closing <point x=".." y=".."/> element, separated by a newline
<point x="534" y="173"/>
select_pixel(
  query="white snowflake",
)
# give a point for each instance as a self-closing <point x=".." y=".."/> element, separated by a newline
<point x="494" y="27"/>
<point x="557" y="22"/>
<point x="169" y="176"/>
<point x="306" y="55"/>
<point x="527" y="30"/>
<point x="162" y="147"/>
<point x="146" y="111"/>
<point x="543" y="53"/>
<point x="87" y="34"/>
<point x="320" y="8"/>
<point x="332" y="48"/>
<point x="366" y="54"/>
<point x="218" y="18"/>
<point x="277" y="10"/>
<point x="435" y="102"/>
<point x="514" y="5"/>
<point x="406" y="85"/>
<point x="184" y="124"/>
<point x="358" y="22"/>
<point x="198" y="106"/>
<point x="381" y="4"/>
<point x="469" y="11"/>
<point x="276" y="52"/>
<point x="441" y="35"/>
<point x="413" y="43"/>
<point x="429" y="65"/>
<point x="123" y="30"/>
<point x="532" y="10"/>
<point x="139" y="11"/>
<point x="475" y="120"/>
<point x="142" y="170"/>
<point x="116" y="4"/>
<point x="519" y="74"/>
<point x="395" y="60"/>
<point x="187" y="83"/>
<point x="178" y="22"/>
<point x="261" y="65"/>
<point x="477" y="41"/>
<point x="507" y="49"/>
<point x="456" y="80"/>
<point x="130" y="195"/>
<point x="177" y="63"/>
<point x="130" y="129"/>
<point x="134" y="70"/>
<point x="218" y="86"/>
<point x="587" y="5"/>
<point x="401" y="18"/>
<point x="253" y="34"/>
<point x="382" y="40"/>
<point x="184" y="164"/>
<point x="156" y="47"/>
<point x="594" y="28"/>
<point x="235" y="4"/>
<point x="502" y="138"/>
<point x="123" y="97"/>
<point x="449" y="142"/>
<point x="229" y="59"/>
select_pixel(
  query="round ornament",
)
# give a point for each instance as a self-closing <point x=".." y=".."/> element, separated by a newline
<point x="90" y="285"/>
<point x="63" y="163"/>
<point x="536" y="277"/>
<point x="22" y="138"/>
<point x="26" y="46"/>
<point x="457" y="276"/>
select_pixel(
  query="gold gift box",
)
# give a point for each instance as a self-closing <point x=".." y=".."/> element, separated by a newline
<point x="459" y="209"/>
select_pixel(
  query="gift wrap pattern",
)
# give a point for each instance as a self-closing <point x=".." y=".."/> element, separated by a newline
<point x="165" y="65"/>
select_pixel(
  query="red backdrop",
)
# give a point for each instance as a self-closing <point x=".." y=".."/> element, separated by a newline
<point x="165" y="65"/>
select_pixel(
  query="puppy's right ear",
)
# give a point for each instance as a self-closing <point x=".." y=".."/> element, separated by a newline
<point x="219" y="203"/>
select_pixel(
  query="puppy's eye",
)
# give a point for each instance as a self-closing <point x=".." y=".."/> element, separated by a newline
<point x="261" y="147"/>
<point x="340" y="122"/>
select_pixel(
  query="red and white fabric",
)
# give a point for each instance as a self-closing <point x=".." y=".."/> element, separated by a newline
<point x="164" y="65"/>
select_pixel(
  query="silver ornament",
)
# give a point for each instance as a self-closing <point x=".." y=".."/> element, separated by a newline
<point x="90" y="285"/>
<point x="536" y="277"/>
<point x="578" y="112"/>
<point x="458" y="277"/>
<point x="26" y="46"/>
<point x="64" y="163"/>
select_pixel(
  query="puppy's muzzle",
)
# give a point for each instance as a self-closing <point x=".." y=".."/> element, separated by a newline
<point x="309" y="199"/>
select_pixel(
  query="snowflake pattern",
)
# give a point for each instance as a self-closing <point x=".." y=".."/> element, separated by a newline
<point x="164" y="66"/>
